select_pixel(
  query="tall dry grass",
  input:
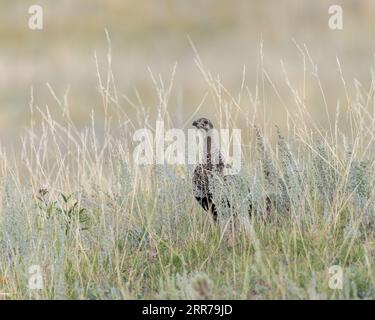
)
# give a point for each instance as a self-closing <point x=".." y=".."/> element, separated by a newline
<point x="101" y="227"/>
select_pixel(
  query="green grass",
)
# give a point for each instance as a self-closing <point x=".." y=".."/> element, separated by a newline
<point x="102" y="227"/>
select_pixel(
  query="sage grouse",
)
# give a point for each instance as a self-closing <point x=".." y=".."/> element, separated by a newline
<point x="211" y="170"/>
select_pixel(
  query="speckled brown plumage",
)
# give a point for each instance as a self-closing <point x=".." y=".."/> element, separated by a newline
<point x="203" y="172"/>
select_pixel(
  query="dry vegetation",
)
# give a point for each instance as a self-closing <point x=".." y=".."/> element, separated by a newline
<point x="74" y="202"/>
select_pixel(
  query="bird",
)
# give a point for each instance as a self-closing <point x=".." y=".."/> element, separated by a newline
<point x="213" y="188"/>
<point x="212" y="170"/>
<point x="212" y="164"/>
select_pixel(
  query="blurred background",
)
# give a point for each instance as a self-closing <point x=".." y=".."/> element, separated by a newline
<point x="154" y="34"/>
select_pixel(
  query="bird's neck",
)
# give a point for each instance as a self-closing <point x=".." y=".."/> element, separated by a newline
<point x="211" y="150"/>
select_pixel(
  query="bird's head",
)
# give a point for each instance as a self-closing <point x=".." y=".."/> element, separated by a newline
<point x="203" y="123"/>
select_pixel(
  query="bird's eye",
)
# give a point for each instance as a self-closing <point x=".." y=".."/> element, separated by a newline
<point x="205" y="121"/>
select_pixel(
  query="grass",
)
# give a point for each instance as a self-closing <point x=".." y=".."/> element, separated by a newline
<point x="101" y="227"/>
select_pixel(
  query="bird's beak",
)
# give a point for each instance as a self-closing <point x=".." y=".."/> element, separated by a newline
<point x="194" y="124"/>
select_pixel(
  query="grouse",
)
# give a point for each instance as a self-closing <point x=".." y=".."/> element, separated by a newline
<point x="212" y="164"/>
<point x="234" y="193"/>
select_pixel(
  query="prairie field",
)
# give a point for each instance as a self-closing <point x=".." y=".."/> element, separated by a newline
<point x="95" y="224"/>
